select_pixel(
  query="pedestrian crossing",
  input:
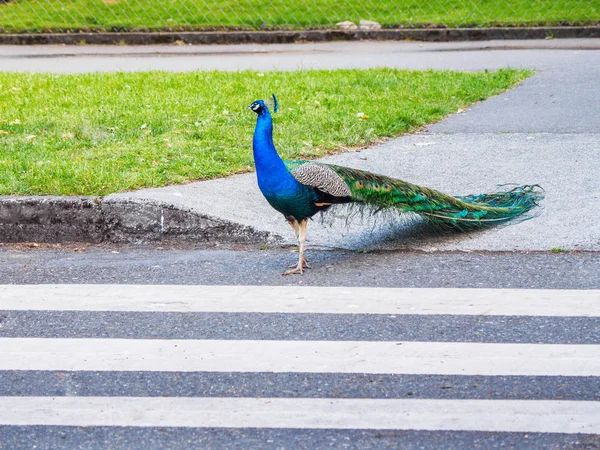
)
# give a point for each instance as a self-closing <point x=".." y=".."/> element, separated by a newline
<point x="290" y="358"/>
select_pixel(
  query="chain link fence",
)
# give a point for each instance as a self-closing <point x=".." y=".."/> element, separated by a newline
<point x="40" y="16"/>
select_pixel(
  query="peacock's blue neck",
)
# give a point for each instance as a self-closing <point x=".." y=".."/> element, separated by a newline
<point x="277" y="184"/>
<point x="270" y="168"/>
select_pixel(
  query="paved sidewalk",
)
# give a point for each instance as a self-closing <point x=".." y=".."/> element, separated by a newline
<point x="331" y="55"/>
<point x="545" y="131"/>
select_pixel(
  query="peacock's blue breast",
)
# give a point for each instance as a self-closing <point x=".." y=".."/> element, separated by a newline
<point x="291" y="199"/>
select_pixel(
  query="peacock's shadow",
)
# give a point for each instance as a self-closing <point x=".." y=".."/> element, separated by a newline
<point x="385" y="230"/>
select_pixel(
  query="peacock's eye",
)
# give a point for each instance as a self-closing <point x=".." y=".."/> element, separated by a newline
<point x="359" y="184"/>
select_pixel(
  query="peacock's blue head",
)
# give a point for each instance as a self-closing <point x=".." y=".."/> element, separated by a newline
<point x="258" y="106"/>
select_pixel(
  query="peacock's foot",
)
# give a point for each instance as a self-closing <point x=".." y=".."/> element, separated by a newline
<point x="296" y="269"/>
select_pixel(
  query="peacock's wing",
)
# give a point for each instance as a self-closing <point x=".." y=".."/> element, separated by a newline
<point x="321" y="177"/>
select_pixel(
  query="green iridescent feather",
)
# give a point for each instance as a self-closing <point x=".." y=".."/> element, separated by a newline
<point x="379" y="192"/>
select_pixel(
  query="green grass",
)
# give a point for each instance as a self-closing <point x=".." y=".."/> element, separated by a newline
<point x="119" y="15"/>
<point x="95" y="134"/>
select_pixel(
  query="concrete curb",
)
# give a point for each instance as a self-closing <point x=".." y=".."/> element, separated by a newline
<point x="284" y="37"/>
<point x="100" y="219"/>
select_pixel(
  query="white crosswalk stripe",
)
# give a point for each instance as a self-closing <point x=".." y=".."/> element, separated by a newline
<point x="299" y="356"/>
<point x="302" y="299"/>
<point x="29" y="355"/>
<point x="476" y="415"/>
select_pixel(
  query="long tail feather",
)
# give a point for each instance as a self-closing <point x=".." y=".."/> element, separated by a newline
<point x="472" y="211"/>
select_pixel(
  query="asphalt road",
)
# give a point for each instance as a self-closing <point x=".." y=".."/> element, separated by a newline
<point x="251" y="266"/>
<point x="97" y="413"/>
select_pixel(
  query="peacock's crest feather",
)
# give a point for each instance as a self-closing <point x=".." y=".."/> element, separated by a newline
<point x="272" y="103"/>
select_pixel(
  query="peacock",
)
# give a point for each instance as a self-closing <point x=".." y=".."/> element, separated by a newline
<point x="300" y="189"/>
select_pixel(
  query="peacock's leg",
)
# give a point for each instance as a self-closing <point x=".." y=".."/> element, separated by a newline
<point x="302" y="261"/>
<point x="294" y="224"/>
<point x="296" y="227"/>
<point x="302" y="241"/>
